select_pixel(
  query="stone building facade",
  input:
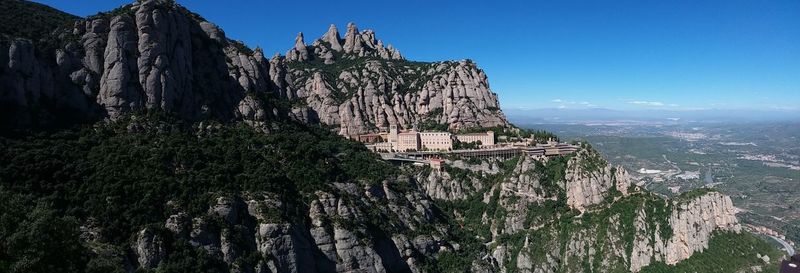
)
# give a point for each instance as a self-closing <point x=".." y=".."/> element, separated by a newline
<point x="486" y="139"/>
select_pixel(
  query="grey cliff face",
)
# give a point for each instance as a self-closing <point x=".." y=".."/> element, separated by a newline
<point x="693" y="222"/>
<point x="150" y="249"/>
<point x="299" y="53"/>
<point x="158" y="56"/>
<point x="588" y="188"/>
<point x="372" y="87"/>
<point x="371" y="97"/>
<point x="119" y="90"/>
<point x="332" y="37"/>
<point x="337" y="237"/>
<point x="441" y="185"/>
<point x="155" y="55"/>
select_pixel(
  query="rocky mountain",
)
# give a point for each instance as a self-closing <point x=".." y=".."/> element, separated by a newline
<point x="576" y="214"/>
<point x="197" y="154"/>
<point x="362" y="86"/>
<point x="149" y="55"/>
<point x="156" y="55"/>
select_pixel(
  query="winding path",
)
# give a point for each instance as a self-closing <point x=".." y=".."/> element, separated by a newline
<point x="786" y="246"/>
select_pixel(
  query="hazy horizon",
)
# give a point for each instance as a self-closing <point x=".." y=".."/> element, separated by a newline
<point x="645" y="116"/>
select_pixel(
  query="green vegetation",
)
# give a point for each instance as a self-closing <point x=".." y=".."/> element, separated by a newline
<point x="551" y="174"/>
<point x="108" y="15"/>
<point x="396" y="69"/>
<point x="36" y="237"/>
<point x="592" y="160"/>
<point x="429" y="122"/>
<point x="46" y="27"/>
<point x="727" y="252"/>
<point x="464" y="218"/>
<point x="690" y="195"/>
<point x="124" y="180"/>
<point x="24" y="19"/>
<point x="513" y="133"/>
<point x="458" y="145"/>
<point x="793" y="231"/>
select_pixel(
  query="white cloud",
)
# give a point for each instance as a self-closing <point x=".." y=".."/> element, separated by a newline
<point x="647" y="103"/>
<point x="783" y="108"/>
<point x="564" y="103"/>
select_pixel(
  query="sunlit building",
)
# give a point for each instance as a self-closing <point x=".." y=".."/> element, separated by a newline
<point x="486" y="139"/>
<point x="408" y="141"/>
<point x="436" y="141"/>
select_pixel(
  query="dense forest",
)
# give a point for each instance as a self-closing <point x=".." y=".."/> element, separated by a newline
<point x="123" y="174"/>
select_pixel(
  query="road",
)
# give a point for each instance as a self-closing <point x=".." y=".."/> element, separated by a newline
<point x="786" y="246"/>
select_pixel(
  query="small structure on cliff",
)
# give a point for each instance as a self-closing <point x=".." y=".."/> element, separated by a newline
<point x="412" y="140"/>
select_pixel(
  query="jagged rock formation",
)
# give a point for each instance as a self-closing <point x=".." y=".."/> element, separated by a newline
<point x="692" y="221"/>
<point x="529" y="214"/>
<point x="589" y="180"/>
<point x="338" y="237"/>
<point x="362" y="86"/>
<point x="299" y="53"/>
<point x="371" y="96"/>
<point x="156" y="55"/>
<point x="153" y="54"/>
<point x="442" y="185"/>
<point x="590" y="219"/>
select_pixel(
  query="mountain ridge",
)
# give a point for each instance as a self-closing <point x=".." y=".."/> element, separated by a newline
<point x="156" y="55"/>
<point x="197" y="154"/>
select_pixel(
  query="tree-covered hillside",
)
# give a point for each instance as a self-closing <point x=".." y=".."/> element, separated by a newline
<point x="126" y="175"/>
<point x="29" y="20"/>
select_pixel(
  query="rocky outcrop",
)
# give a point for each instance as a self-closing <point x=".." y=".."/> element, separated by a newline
<point x="363" y="44"/>
<point x="601" y="245"/>
<point x="441" y="185"/>
<point x="153" y="54"/>
<point x="156" y="55"/>
<point x="589" y="180"/>
<point x="362" y="86"/>
<point x="333" y="39"/>
<point x="590" y="218"/>
<point x="692" y="223"/>
<point x="299" y="53"/>
<point x="150" y="249"/>
<point x="370" y="96"/>
<point x="120" y="92"/>
<point x="351" y="228"/>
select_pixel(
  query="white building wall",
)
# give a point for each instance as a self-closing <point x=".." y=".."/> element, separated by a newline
<point x="437" y="141"/>
<point x="486" y="139"/>
<point x="408" y="141"/>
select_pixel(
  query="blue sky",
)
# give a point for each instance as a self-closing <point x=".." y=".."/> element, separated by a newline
<point x="627" y="55"/>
